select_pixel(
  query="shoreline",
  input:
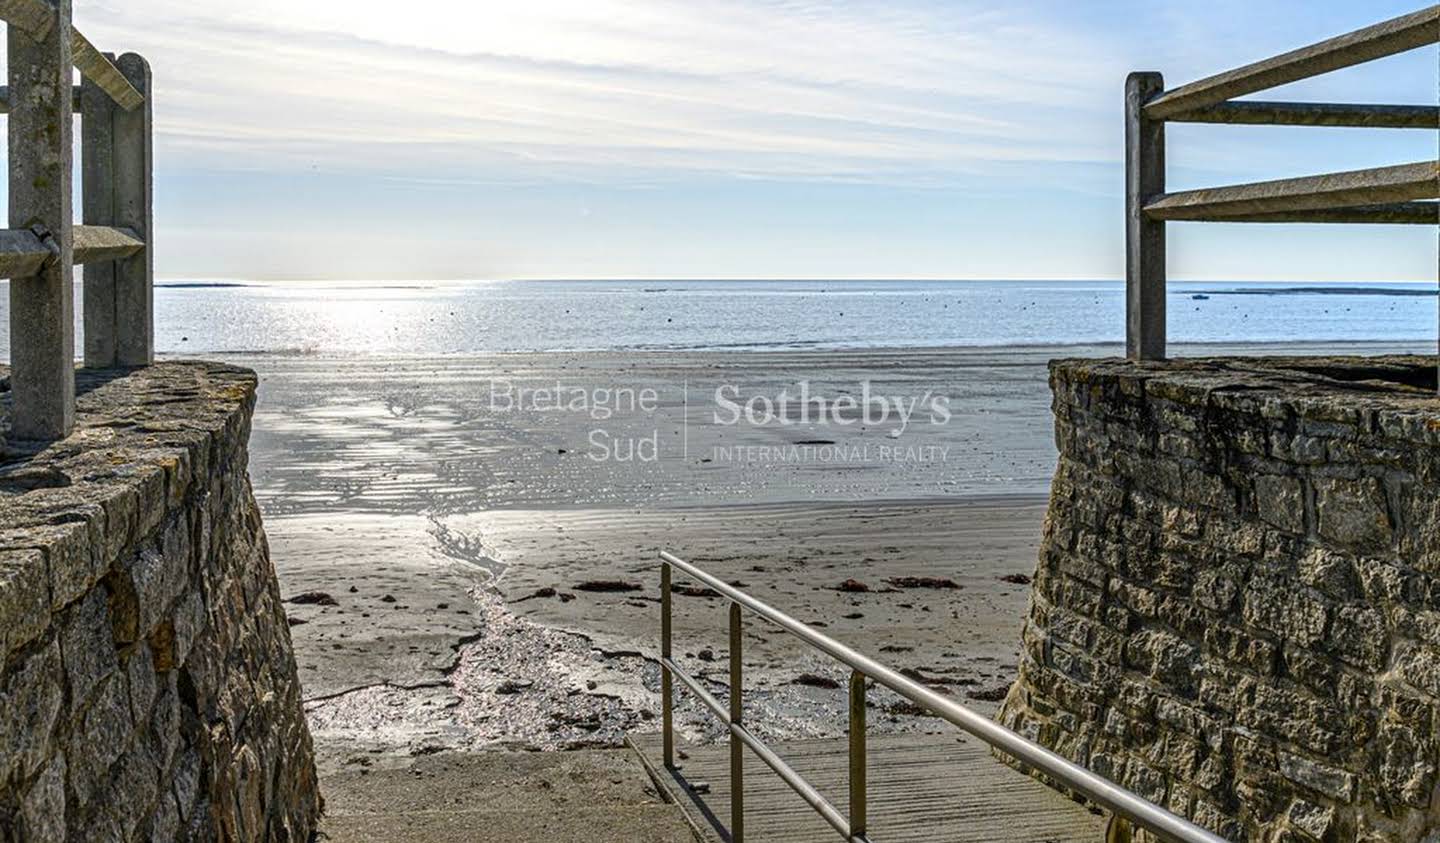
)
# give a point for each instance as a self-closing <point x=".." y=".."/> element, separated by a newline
<point x="469" y="579"/>
<point x="1180" y="349"/>
<point x="425" y="652"/>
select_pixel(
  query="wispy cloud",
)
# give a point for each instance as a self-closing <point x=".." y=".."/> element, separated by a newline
<point x="465" y="138"/>
<point x="610" y="90"/>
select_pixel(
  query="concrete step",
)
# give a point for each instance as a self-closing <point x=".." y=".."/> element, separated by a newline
<point x="552" y="797"/>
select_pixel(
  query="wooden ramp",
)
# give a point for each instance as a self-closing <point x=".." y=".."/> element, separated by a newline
<point x="922" y="788"/>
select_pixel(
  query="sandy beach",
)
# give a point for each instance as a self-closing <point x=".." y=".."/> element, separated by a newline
<point x="467" y="567"/>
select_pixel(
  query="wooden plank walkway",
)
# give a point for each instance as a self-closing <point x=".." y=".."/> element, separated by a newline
<point x="922" y="788"/>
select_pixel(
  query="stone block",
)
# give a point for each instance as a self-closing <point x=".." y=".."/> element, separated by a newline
<point x="148" y="479"/>
<point x="1076" y="666"/>
<point x="186" y="784"/>
<point x="1313" y="822"/>
<point x="1279" y="607"/>
<point x="1418" y="508"/>
<point x="87" y="645"/>
<point x="1166" y="659"/>
<point x="1280" y="502"/>
<point x="1190" y="720"/>
<point x="1298" y="449"/>
<point x="121" y="505"/>
<point x="1403" y="766"/>
<point x="31" y="695"/>
<point x="1317" y="776"/>
<point x="1181" y="756"/>
<point x="1330" y="573"/>
<point x="144" y="684"/>
<point x="135" y="786"/>
<point x="1422" y="625"/>
<point x="24" y="599"/>
<point x="1146" y="782"/>
<point x="1295" y="717"/>
<point x="1227" y="693"/>
<point x="1359" y="635"/>
<point x="1419" y="666"/>
<point x="104" y="733"/>
<point x="1237" y="646"/>
<point x="1236" y="540"/>
<point x="189" y="622"/>
<point x="158" y="579"/>
<point x="124" y="605"/>
<point x="1318" y="673"/>
<point x="69" y="558"/>
<point x="165" y="726"/>
<point x="1219" y="820"/>
<point x="1216" y="591"/>
<point x="1386" y="581"/>
<point x="1353" y="513"/>
<point x="42" y="808"/>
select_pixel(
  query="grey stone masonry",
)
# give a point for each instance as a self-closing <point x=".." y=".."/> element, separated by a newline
<point x="1236" y="611"/>
<point x="147" y="687"/>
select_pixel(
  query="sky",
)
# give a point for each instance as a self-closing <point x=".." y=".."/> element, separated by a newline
<point x="468" y="139"/>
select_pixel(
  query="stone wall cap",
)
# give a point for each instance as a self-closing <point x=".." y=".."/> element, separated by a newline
<point x="138" y="435"/>
<point x="1398" y="392"/>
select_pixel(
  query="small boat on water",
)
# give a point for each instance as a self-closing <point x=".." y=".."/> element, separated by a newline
<point x="1200" y="297"/>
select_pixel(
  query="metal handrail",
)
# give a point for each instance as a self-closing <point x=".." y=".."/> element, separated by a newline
<point x="1144" y="814"/>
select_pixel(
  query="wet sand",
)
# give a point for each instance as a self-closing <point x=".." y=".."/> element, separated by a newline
<point x="472" y="574"/>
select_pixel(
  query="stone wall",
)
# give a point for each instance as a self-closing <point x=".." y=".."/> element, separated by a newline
<point x="1236" y="611"/>
<point x="147" y="687"/>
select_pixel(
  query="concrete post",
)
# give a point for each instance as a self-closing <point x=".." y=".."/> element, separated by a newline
<point x="97" y="185"/>
<point x="134" y="209"/>
<point x="42" y="333"/>
<point x="1144" y="237"/>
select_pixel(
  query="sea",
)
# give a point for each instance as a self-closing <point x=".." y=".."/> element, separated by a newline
<point x="199" y="317"/>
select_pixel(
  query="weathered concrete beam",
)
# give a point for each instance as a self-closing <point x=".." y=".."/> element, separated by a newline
<point x="34" y="17"/>
<point x="5" y="99"/>
<point x="1145" y="269"/>
<point x="97" y="243"/>
<point x="1400" y="213"/>
<point x="1384" y="39"/>
<point x="37" y="17"/>
<point x="134" y="186"/>
<point x="42" y="308"/>
<point x="1377" y="186"/>
<point x="1315" y="114"/>
<point x="97" y="187"/>
<point x="95" y="66"/>
<point x="116" y="189"/>
<point x="21" y="253"/>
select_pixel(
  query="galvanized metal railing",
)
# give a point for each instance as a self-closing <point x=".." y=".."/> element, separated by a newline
<point x="1382" y="195"/>
<point x="854" y="827"/>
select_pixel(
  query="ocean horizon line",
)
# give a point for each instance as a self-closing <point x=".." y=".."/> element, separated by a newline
<point x="193" y="282"/>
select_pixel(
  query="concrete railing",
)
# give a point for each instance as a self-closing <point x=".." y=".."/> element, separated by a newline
<point x="40" y="249"/>
<point x="1382" y="195"/>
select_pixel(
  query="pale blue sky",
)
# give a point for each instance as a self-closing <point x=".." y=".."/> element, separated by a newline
<point x="752" y="138"/>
